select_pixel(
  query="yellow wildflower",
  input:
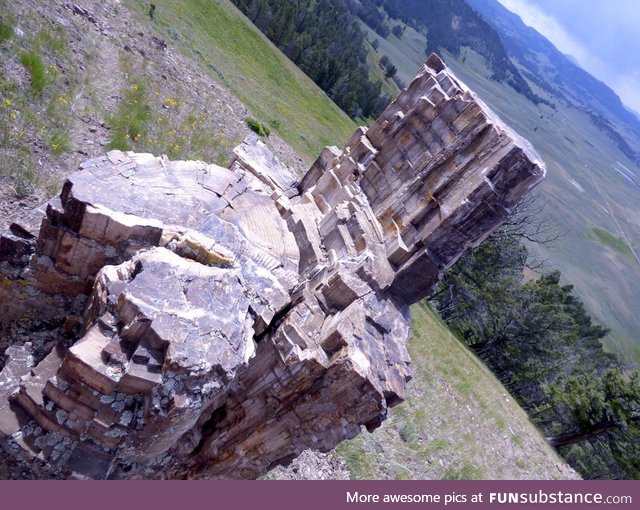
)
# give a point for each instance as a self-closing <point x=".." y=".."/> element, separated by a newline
<point x="7" y="102"/>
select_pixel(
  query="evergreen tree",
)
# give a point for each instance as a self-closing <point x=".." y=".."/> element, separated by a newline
<point x="323" y="39"/>
<point x="539" y="340"/>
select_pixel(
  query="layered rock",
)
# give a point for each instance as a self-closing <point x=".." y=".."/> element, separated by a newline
<point x="214" y="322"/>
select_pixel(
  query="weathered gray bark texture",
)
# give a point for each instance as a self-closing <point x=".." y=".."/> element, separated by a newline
<point x="172" y="319"/>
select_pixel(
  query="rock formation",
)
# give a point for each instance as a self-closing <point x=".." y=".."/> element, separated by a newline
<point x="171" y="319"/>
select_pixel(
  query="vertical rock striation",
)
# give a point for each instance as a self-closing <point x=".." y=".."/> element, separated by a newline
<point x="182" y="320"/>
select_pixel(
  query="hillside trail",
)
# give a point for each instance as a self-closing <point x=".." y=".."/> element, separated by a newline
<point x="100" y="34"/>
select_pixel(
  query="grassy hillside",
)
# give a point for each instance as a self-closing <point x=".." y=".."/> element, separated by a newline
<point x="221" y="39"/>
<point x="585" y="189"/>
<point x="458" y="421"/>
<point x="377" y="74"/>
<point x="109" y="78"/>
<point x="406" y="53"/>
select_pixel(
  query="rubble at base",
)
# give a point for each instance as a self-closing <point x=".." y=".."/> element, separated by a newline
<point x="173" y="319"/>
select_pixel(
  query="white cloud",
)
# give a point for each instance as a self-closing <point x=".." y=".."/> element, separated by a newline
<point x="627" y="87"/>
<point x="548" y="26"/>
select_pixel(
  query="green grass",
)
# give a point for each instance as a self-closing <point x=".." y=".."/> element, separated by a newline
<point x="130" y="122"/>
<point x="147" y="119"/>
<point x="59" y="142"/>
<point x="25" y="178"/>
<point x="376" y="73"/>
<point x="42" y="111"/>
<point x="406" y="53"/>
<point x="241" y="58"/>
<point x="6" y="31"/>
<point x="360" y="463"/>
<point x="608" y="239"/>
<point x="258" y="127"/>
<point x="466" y="472"/>
<point x="36" y="68"/>
<point x="52" y="40"/>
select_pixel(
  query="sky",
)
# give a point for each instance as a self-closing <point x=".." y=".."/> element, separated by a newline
<point x="602" y="35"/>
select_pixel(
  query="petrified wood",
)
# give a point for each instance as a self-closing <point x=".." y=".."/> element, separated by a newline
<point x="172" y="319"/>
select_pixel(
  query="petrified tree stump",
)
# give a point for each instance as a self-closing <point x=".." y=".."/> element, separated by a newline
<point x="174" y="319"/>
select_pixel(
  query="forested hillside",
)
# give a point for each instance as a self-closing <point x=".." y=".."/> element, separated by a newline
<point x="323" y="38"/>
<point x="452" y="25"/>
<point x="538" y="339"/>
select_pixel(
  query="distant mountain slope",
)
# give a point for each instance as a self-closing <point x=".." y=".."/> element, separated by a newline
<point x="452" y="25"/>
<point x="552" y="70"/>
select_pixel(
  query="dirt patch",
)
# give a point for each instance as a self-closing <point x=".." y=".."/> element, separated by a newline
<point x="11" y="205"/>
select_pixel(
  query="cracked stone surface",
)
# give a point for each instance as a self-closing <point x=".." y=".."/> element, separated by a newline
<point x="173" y="319"/>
